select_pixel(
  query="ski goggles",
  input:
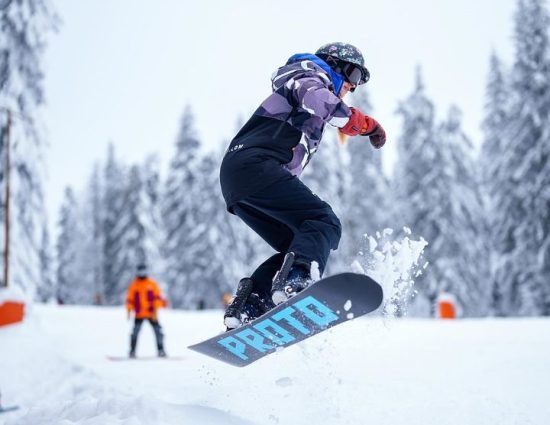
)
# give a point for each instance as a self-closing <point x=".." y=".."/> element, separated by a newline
<point x="352" y="73"/>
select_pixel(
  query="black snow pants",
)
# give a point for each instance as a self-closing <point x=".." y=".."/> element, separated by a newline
<point x="290" y="218"/>
<point x="158" y="333"/>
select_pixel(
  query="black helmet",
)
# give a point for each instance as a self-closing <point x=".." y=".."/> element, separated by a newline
<point x="141" y="270"/>
<point x="346" y="60"/>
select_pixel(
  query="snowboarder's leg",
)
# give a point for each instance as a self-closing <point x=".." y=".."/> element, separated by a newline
<point x="314" y="226"/>
<point x="253" y="295"/>
<point x="276" y="234"/>
<point x="134" y="336"/>
<point x="159" y="335"/>
<point x="290" y="218"/>
<point x="265" y="272"/>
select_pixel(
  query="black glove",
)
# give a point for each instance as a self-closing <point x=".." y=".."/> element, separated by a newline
<point x="377" y="136"/>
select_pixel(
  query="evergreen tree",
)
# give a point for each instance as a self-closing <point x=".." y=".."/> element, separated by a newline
<point x="115" y="262"/>
<point x="458" y="250"/>
<point x="46" y="287"/>
<point x="151" y="219"/>
<point x="90" y="255"/>
<point x="207" y="241"/>
<point x="131" y="230"/>
<point x="24" y="25"/>
<point x="495" y="178"/>
<point x="68" y="264"/>
<point x="525" y="261"/>
<point x="414" y="180"/>
<point x="365" y="204"/>
<point x="177" y="212"/>
<point x="138" y="226"/>
<point x="94" y="215"/>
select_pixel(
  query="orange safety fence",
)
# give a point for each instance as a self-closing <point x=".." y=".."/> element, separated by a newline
<point x="11" y="312"/>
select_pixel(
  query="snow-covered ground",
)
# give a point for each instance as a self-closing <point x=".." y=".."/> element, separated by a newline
<point x="367" y="371"/>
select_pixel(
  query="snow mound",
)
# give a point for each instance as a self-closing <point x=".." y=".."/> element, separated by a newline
<point x="12" y="293"/>
<point x="117" y="409"/>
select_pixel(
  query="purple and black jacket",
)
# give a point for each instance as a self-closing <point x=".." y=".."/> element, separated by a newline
<point x="279" y="139"/>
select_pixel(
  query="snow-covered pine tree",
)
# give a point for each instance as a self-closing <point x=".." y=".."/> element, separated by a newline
<point x="460" y="257"/>
<point x="151" y="219"/>
<point x="178" y="206"/>
<point x="115" y="262"/>
<point x="207" y="241"/>
<point x="93" y="213"/>
<point x="525" y="265"/>
<point x="46" y="288"/>
<point x="138" y="225"/>
<point x="413" y="180"/>
<point x="366" y="192"/>
<point x="90" y="254"/>
<point x="132" y="230"/>
<point x="496" y="180"/>
<point x="24" y="26"/>
<point x="69" y="276"/>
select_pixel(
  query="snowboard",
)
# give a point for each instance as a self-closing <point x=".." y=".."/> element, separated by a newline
<point x="8" y="409"/>
<point x="126" y="358"/>
<point x="321" y="306"/>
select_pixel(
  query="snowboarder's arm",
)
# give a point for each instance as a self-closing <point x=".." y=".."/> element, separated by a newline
<point x="312" y="94"/>
<point x="159" y="301"/>
<point x="130" y="298"/>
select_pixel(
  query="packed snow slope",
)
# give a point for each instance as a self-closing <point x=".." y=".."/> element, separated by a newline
<point x="371" y="370"/>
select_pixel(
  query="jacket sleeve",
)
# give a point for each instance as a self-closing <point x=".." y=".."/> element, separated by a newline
<point x="312" y="94"/>
<point x="159" y="301"/>
<point x="130" y="297"/>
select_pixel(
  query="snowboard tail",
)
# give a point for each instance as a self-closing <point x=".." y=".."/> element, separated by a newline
<point x="323" y="305"/>
<point x="8" y="409"/>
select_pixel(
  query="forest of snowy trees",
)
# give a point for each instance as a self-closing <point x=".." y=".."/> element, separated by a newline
<point x="484" y="212"/>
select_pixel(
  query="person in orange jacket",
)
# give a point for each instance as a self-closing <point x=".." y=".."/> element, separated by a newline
<point x="144" y="298"/>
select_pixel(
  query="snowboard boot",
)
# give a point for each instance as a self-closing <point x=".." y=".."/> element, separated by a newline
<point x="233" y="312"/>
<point x="132" y="354"/>
<point x="161" y="352"/>
<point x="246" y="306"/>
<point x="292" y="278"/>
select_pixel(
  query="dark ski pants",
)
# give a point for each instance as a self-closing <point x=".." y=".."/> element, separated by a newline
<point x="290" y="218"/>
<point x="158" y="333"/>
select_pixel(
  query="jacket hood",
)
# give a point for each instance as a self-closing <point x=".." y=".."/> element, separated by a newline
<point x="337" y="79"/>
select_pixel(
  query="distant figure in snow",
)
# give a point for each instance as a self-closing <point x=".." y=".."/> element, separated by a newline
<point x="259" y="173"/>
<point x="144" y="298"/>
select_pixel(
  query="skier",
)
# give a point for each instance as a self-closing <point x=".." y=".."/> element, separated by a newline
<point x="259" y="173"/>
<point x="144" y="298"/>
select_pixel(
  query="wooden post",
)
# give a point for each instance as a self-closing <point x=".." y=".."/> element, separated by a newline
<point x="7" y="204"/>
<point x="11" y="311"/>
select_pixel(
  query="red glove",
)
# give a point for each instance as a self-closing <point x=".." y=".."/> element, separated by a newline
<point x="361" y="124"/>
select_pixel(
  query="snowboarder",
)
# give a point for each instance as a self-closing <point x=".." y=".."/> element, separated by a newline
<point x="144" y="298"/>
<point x="259" y="173"/>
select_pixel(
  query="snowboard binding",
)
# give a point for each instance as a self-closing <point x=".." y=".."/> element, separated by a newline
<point x="293" y="277"/>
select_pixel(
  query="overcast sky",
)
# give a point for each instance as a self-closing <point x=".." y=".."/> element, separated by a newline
<point x="123" y="70"/>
